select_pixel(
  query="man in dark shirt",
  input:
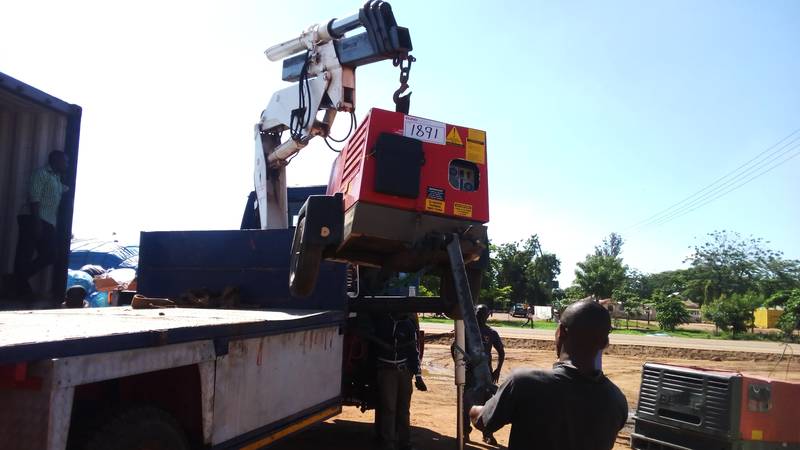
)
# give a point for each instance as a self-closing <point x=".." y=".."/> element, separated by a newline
<point x="571" y="407"/>
<point x="490" y="340"/>
<point x="397" y="354"/>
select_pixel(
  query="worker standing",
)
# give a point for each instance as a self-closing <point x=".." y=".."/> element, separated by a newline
<point x="37" y="222"/>
<point x="490" y="339"/>
<point x="573" y="406"/>
<point x="395" y="341"/>
<point x="529" y="313"/>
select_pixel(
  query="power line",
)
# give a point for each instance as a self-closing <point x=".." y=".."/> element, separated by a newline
<point x="748" y="180"/>
<point x="715" y="186"/>
<point x="744" y="170"/>
<point x="722" y="187"/>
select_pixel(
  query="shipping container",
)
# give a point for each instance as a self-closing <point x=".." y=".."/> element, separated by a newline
<point x="32" y="124"/>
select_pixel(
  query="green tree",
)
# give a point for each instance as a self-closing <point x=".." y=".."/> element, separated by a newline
<point x="611" y="246"/>
<point x="542" y="278"/>
<point x="734" y="313"/>
<point x="574" y="292"/>
<point x="496" y="297"/>
<point x="729" y="264"/>
<point x="602" y="272"/>
<point x="671" y="311"/>
<point x="790" y="319"/>
<point x="529" y="271"/>
<point x="600" y="275"/>
<point x="630" y="301"/>
<point x="779" y="275"/>
<point x="429" y="285"/>
<point x="779" y="298"/>
<point x="669" y="281"/>
<point x="638" y="283"/>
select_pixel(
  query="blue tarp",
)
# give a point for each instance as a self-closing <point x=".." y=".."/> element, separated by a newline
<point x="106" y="254"/>
<point x="96" y="299"/>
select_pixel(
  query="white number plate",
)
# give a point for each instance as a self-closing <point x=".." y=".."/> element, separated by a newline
<point x="424" y="130"/>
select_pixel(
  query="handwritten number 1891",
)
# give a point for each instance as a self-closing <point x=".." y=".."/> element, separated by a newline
<point x="426" y="132"/>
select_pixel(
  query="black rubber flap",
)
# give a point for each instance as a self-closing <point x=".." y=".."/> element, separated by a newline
<point x="398" y="161"/>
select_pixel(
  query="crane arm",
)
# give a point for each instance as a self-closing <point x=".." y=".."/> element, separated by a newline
<point x="320" y="64"/>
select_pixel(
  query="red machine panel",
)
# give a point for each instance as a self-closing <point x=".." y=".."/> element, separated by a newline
<point x="415" y="164"/>
<point x="770" y="410"/>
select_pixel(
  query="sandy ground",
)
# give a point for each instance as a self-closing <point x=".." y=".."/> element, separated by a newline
<point x="434" y="413"/>
<point x="716" y="346"/>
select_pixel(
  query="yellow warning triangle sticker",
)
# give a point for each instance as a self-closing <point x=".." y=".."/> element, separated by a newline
<point x="453" y="137"/>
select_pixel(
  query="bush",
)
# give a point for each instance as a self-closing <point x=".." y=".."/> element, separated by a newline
<point x="734" y="313"/>
<point x="671" y="312"/>
<point x="790" y="319"/>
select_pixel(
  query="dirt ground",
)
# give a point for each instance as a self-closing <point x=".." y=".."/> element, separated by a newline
<point x="433" y="413"/>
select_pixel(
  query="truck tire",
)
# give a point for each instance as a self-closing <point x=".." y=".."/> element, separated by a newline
<point x="304" y="263"/>
<point x="139" y="428"/>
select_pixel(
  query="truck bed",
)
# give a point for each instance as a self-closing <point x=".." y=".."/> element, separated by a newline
<point x="45" y="334"/>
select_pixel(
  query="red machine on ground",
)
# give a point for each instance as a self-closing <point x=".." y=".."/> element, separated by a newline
<point x="693" y="408"/>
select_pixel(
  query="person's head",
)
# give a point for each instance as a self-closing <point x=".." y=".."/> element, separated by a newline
<point x="481" y="313"/>
<point x="583" y="331"/>
<point x="58" y="161"/>
<point x="75" y="296"/>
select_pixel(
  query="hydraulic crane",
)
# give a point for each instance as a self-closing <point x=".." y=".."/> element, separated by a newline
<point x="406" y="194"/>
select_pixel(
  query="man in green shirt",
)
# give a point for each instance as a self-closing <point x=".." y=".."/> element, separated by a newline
<point x="37" y="221"/>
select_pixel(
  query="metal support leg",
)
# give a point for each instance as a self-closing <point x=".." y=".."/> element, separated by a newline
<point x="461" y="379"/>
<point x="474" y="348"/>
<point x="481" y="381"/>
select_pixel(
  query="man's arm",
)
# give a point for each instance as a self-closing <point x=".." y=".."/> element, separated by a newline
<point x="497" y="343"/>
<point x="498" y="410"/>
<point x="413" y="360"/>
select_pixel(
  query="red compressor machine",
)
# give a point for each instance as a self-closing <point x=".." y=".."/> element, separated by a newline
<point x="400" y="191"/>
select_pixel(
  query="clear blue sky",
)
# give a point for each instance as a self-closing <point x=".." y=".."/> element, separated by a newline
<point x="598" y="114"/>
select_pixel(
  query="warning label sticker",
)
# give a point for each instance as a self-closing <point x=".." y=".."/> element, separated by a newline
<point x="476" y="146"/>
<point x="435" y="193"/>
<point x="434" y="205"/>
<point x="454" y="138"/>
<point x="462" y="209"/>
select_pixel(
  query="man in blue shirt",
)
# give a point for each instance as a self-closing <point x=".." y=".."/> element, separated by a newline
<point x="37" y="222"/>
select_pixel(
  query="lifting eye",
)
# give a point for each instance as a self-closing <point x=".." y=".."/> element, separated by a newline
<point x="463" y="175"/>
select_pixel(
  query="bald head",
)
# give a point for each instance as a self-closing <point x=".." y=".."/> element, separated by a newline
<point x="583" y="330"/>
<point x="586" y="315"/>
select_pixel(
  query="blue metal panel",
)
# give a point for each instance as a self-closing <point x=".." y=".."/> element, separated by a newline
<point x="255" y="261"/>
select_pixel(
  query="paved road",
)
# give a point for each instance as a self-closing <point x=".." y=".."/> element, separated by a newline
<point x="626" y="339"/>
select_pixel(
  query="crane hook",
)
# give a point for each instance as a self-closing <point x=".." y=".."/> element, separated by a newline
<point x="403" y="104"/>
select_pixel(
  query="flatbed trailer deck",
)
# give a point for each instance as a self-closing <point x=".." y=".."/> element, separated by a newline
<point x="229" y="378"/>
<point x="57" y="333"/>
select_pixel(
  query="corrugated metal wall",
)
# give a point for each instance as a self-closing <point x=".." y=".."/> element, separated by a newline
<point x="28" y="132"/>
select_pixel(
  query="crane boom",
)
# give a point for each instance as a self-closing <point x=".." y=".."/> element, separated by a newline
<point x="320" y="63"/>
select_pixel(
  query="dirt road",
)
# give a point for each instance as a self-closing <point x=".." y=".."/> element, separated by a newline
<point x="651" y="341"/>
<point x="434" y="412"/>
